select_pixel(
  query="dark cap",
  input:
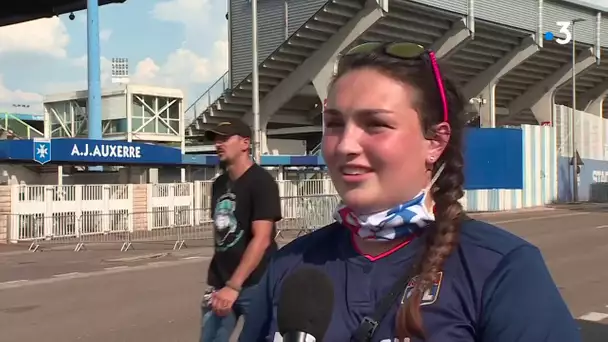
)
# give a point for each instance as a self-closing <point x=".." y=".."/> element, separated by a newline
<point x="230" y="128"/>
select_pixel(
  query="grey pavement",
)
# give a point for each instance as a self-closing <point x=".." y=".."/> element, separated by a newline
<point x="152" y="293"/>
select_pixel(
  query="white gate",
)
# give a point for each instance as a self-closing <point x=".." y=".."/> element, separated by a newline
<point x="63" y="211"/>
<point x="170" y="205"/>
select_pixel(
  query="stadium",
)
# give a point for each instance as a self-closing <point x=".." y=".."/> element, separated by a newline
<point x="523" y="64"/>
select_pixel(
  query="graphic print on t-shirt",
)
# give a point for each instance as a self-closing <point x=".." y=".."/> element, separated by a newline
<point x="227" y="232"/>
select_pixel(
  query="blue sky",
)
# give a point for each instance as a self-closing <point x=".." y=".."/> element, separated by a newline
<point x="169" y="43"/>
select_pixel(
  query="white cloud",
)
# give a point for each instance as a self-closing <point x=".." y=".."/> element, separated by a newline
<point x="80" y="72"/>
<point x="9" y="97"/>
<point x="146" y="70"/>
<point x="199" y="19"/>
<point x="183" y="68"/>
<point x="104" y="35"/>
<point x="187" y="12"/>
<point x="195" y="62"/>
<point x="44" y="36"/>
<point x="105" y="63"/>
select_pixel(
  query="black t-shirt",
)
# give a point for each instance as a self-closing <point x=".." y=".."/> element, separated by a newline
<point x="235" y="205"/>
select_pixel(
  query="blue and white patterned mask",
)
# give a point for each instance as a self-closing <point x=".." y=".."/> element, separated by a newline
<point x="403" y="221"/>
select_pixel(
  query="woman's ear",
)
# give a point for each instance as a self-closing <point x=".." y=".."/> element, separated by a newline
<point x="438" y="142"/>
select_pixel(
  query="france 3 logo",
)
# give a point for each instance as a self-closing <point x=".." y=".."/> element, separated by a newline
<point x="564" y="29"/>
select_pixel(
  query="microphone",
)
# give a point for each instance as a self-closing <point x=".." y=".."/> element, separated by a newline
<point x="305" y="306"/>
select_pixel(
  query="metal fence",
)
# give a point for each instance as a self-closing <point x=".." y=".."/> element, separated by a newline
<point x="177" y="225"/>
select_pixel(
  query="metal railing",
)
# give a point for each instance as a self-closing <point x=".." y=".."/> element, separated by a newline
<point x="316" y="150"/>
<point x="176" y="228"/>
<point x="209" y="97"/>
<point x="19" y="128"/>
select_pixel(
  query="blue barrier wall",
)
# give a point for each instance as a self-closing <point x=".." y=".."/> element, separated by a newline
<point x="593" y="171"/>
<point x="539" y="172"/>
<point x="494" y="158"/>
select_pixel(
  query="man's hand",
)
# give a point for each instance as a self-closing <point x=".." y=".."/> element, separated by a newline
<point x="223" y="300"/>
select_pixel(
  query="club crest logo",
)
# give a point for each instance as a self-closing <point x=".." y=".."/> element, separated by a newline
<point x="42" y="151"/>
<point x="430" y="295"/>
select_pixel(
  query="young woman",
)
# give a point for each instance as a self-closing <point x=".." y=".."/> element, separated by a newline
<point x="393" y="146"/>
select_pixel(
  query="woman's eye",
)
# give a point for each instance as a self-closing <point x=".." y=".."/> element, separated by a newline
<point x="377" y="125"/>
<point x="333" y="124"/>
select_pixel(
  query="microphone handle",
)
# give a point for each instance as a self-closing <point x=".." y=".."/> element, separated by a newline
<point x="298" y="336"/>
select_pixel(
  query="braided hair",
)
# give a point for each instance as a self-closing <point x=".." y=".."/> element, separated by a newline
<point x="442" y="237"/>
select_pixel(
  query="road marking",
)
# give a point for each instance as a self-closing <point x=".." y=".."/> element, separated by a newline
<point x="113" y="270"/>
<point x="594" y="316"/>
<point x="71" y="274"/>
<point x="140" y="257"/>
<point x="159" y="263"/>
<point x="602" y="227"/>
<point x="524" y="219"/>
<point x="14" y="282"/>
<point x="192" y="258"/>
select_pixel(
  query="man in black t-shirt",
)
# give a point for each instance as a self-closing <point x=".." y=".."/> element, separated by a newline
<point x="245" y="206"/>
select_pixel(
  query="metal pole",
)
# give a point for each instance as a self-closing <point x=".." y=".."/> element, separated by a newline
<point x="255" y="80"/>
<point x="94" y="71"/>
<point x="573" y="126"/>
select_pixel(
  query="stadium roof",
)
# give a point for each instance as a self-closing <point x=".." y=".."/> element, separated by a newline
<point x="26" y="10"/>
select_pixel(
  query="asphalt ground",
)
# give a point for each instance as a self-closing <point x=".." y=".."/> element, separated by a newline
<point x="152" y="293"/>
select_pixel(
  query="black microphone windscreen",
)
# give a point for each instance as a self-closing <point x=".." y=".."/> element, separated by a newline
<point x="306" y="303"/>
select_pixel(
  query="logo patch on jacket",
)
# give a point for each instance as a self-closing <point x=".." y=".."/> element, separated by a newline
<point x="430" y="295"/>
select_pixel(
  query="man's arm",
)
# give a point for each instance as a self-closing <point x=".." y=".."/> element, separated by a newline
<point x="266" y="211"/>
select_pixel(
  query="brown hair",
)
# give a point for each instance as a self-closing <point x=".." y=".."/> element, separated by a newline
<point x="442" y="237"/>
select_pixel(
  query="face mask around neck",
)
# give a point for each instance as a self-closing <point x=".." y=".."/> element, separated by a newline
<point x="402" y="221"/>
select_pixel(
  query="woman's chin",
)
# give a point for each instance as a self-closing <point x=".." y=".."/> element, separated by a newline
<point x="359" y="200"/>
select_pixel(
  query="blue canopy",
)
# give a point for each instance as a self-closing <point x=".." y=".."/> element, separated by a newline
<point x="87" y="151"/>
<point x="110" y="152"/>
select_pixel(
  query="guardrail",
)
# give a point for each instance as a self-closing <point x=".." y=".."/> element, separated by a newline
<point x="209" y="97"/>
<point x="316" y="150"/>
<point x="301" y="215"/>
<point x="18" y="128"/>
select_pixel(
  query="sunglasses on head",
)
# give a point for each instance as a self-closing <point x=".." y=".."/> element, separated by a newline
<point x="407" y="51"/>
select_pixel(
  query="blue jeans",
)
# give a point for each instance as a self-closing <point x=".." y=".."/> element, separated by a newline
<point x="215" y="328"/>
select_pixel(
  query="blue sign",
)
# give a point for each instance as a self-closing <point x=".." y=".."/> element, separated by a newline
<point x="113" y="152"/>
<point x="86" y="151"/>
<point x="42" y="151"/>
<point x="494" y="158"/>
<point x="105" y="151"/>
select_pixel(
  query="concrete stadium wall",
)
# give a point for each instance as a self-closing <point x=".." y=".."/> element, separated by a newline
<point x="591" y="133"/>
